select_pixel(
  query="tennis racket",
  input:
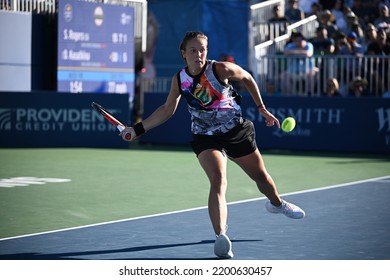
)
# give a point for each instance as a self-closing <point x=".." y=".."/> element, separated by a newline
<point x="107" y="115"/>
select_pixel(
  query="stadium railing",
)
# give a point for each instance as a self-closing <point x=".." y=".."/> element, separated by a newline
<point x="33" y="6"/>
<point x="269" y="65"/>
<point x="272" y="69"/>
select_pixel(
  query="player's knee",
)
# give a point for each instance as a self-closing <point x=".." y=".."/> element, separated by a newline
<point x="218" y="183"/>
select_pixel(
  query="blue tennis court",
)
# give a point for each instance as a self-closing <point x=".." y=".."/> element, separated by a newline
<point x="343" y="222"/>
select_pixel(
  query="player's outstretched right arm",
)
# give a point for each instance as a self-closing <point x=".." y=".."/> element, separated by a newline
<point x="159" y="116"/>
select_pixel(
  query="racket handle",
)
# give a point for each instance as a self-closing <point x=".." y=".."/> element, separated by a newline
<point x="128" y="136"/>
<point x="121" y="127"/>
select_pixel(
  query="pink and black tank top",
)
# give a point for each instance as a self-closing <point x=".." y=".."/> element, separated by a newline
<point x="211" y="102"/>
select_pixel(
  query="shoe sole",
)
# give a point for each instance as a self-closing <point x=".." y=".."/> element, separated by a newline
<point x="223" y="247"/>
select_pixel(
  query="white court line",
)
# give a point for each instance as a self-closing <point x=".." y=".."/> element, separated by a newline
<point x="194" y="209"/>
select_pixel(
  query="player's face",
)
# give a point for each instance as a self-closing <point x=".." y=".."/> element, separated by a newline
<point x="196" y="53"/>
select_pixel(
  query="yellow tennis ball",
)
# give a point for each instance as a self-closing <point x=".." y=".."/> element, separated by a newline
<point x="288" y="124"/>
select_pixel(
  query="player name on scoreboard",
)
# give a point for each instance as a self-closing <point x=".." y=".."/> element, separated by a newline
<point x="95" y="48"/>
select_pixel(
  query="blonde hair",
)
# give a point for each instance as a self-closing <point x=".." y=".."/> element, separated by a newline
<point x="335" y="82"/>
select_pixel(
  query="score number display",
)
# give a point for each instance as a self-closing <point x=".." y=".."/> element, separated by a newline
<point x="95" y="48"/>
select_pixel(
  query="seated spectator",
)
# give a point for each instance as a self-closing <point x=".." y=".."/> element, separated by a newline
<point x="370" y="35"/>
<point x="356" y="48"/>
<point x="385" y="27"/>
<point x="326" y="19"/>
<point x="332" y="88"/>
<point x="342" y="45"/>
<point x="338" y="12"/>
<point x="365" y="10"/>
<point x="381" y="46"/>
<point x="351" y="19"/>
<point x="348" y="46"/>
<point x="322" y="43"/>
<point x="342" y="22"/>
<point x="342" y="50"/>
<point x="358" y="87"/>
<point x="301" y="70"/>
<point x="358" y="30"/>
<point x="384" y="16"/>
<point x="293" y="12"/>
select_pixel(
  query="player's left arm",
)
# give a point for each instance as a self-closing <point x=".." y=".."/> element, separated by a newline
<point x="230" y="71"/>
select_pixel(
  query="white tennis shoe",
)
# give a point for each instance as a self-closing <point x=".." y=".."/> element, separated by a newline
<point x="288" y="209"/>
<point x="223" y="247"/>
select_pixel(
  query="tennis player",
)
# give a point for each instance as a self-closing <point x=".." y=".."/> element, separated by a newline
<point x="219" y="130"/>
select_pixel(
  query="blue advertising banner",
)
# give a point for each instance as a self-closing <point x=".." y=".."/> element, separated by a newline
<point x="67" y="120"/>
<point x="323" y="124"/>
<point x="60" y="120"/>
<point x="95" y="48"/>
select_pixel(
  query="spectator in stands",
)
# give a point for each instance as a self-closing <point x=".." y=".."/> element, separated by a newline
<point x="365" y="10"/>
<point x="278" y="16"/>
<point x="293" y="12"/>
<point x="306" y="6"/>
<point x="327" y="19"/>
<point x="350" y="47"/>
<point x="315" y="9"/>
<point x="358" y="87"/>
<point x="381" y="46"/>
<point x="301" y="71"/>
<point x="351" y="19"/>
<point x="356" y="28"/>
<point x="338" y="12"/>
<point x="322" y="43"/>
<point x="383" y="21"/>
<point x="370" y="35"/>
<point x="386" y="28"/>
<point x="279" y="21"/>
<point x="384" y="17"/>
<point x="342" y="23"/>
<point x="356" y="49"/>
<point x="344" y="48"/>
<point x="342" y="45"/>
<point x="332" y="88"/>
